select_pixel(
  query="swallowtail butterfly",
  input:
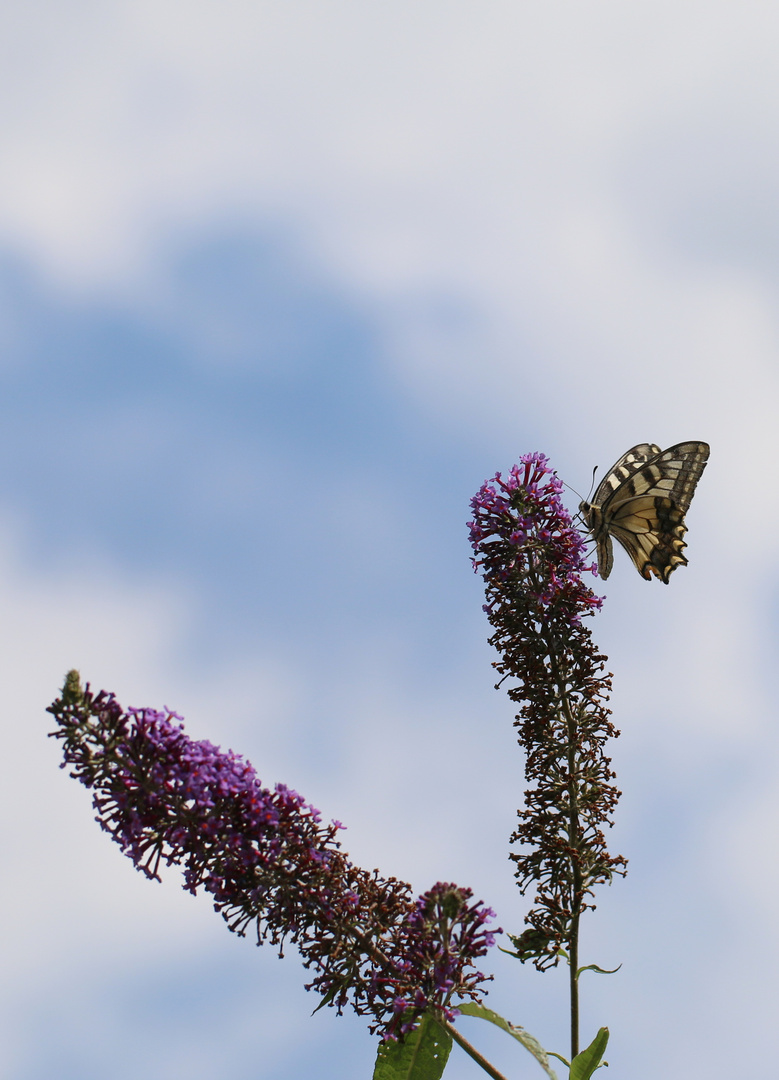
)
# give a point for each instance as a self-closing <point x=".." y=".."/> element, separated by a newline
<point x="641" y="502"/>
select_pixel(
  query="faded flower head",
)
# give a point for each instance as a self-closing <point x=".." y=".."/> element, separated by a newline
<point x="268" y="861"/>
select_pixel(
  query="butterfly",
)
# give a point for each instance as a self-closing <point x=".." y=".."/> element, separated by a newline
<point x="641" y="502"/>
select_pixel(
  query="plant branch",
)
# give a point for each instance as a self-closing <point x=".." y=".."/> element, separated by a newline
<point x="471" y="1051"/>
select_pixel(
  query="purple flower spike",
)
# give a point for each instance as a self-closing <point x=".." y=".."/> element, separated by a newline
<point x="532" y="560"/>
<point x="268" y="862"/>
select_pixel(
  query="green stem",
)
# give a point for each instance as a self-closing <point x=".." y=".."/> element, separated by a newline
<point x="574" y="836"/>
<point x="573" y="953"/>
<point x="471" y="1051"/>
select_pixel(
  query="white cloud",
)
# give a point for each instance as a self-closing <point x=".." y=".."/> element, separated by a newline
<point x="450" y="150"/>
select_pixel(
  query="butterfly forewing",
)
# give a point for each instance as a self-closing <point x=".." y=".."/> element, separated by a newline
<point x="628" y="464"/>
<point x="641" y="502"/>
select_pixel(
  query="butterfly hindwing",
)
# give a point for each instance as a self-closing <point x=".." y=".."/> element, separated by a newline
<point x="641" y="502"/>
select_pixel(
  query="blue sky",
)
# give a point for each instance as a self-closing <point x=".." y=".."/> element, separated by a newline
<point x="280" y="286"/>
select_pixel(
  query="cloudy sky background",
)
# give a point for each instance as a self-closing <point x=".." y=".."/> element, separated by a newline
<point x="280" y="285"/>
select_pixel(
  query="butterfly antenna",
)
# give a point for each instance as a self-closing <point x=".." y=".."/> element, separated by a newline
<point x="573" y="489"/>
<point x="578" y="515"/>
<point x="592" y="485"/>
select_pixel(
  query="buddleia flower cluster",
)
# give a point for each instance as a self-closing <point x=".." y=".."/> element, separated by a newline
<point x="269" y="863"/>
<point x="532" y="560"/>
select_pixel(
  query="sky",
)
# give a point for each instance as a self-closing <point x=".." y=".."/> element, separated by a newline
<point x="280" y="285"/>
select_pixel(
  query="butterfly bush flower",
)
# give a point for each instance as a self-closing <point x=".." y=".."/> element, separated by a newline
<point x="269" y="863"/>
<point x="532" y="560"/>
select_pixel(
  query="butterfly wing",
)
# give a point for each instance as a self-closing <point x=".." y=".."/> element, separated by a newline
<point x="642" y="502"/>
<point x="651" y="529"/>
<point x="592" y="512"/>
<point x="623" y="469"/>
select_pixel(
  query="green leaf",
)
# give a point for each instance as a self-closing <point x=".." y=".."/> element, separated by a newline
<point x="585" y="1064"/>
<point x="528" y="1041"/>
<point x="600" y="970"/>
<point x="329" y="996"/>
<point x="422" y="1055"/>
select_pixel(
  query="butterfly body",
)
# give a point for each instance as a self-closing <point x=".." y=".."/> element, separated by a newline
<point x="641" y="502"/>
